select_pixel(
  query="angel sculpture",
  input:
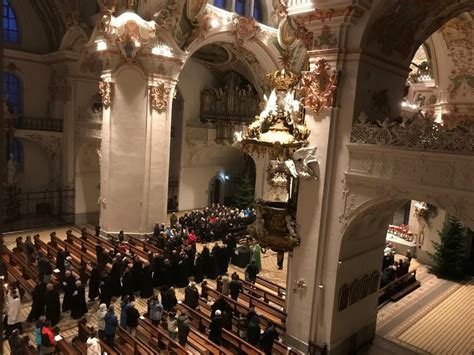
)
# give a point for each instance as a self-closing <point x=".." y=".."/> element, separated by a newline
<point x="298" y="165"/>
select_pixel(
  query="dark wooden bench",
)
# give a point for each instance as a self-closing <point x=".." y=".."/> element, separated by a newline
<point x="279" y="290"/>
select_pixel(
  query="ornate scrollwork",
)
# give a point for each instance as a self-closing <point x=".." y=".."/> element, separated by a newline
<point x="319" y="86"/>
<point x="159" y="97"/>
<point x="274" y="228"/>
<point x="245" y="28"/>
<point x="106" y="92"/>
<point x="417" y="132"/>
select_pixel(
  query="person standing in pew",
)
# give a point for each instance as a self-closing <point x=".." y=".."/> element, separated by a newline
<point x="60" y="258"/>
<point x="111" y="324"/>
<point x="155" y="310"/>
<point x="124" y="307"/>
<point x="38" y="327"/>
<point x="100" y="315"/>
<point x="127" y="283"/>
<point x="68" y="264"/>
<point x="198" y="269"/>
<point x="97" y="231"/>
<point x="235" y="287"/>
<point x="168" y="298"/>
<point x="93" y="344"/>
<point x="84" y="233"/>
<point x="69" y="286"/>
<point x="29" y="251"/>
<point x="183" y="328"/>
<point x="48" y="343"/>
<point x="78" y="301"/>
<point x="94" y="282"/>
<point x="172" y="326"/>
<point x="225" y="284"/>
<point x="146" y="289"/>
<point x="115" y="275"/>
<point x="37" y="306"/>
<point x="136" y="274"/>
<point x="268" y="337"/>
<point x="191" y="296"/>
<point x="105" y="289"/>
<point x="215" y="328"/>
<point x="252" y="271"/>
<point x="52" y="304"/>
<point x="220" y="304"/>
<point x="253" y="330"/>
<point x="132" y="318"/>
<point x="44" y="269"/>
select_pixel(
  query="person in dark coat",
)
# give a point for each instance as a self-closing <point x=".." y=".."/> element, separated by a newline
<point x="198" y="269"/>
<point x="38" y="304"/>
<point x="69" y="288"/>
<point x="204" y="290"/>
<point x="235" y="287"/>
<point x="146" y="281"/>
<point x="101" y="257"/>
<point x="268" y="337"/>
<point x="78" y="301"/>
<point x="115" y="275"/>
<point x="168" y="299"/>
<point x="252" y="271"/>
<point x="157" y="264"/>
<point x="215" y="328"/>
<point x="132" y="318"/>
<point x="253" y="330"/>
<point x="220" y="304"/>
<point x="206" y="263"/>
<point x="191" y="296"/>
<point x="136" y="275"/>
<point x="111" y="324"/>
<point x="181" y="271"/>
<point x="52" y="305"/>
<point x="213" y="270"/>
<point x="127" y="283"/>
<point x="183" y="328"/>
<point x="94" y="282"/>
<point x="166" y="275"/>
<point x="105" y="289"/>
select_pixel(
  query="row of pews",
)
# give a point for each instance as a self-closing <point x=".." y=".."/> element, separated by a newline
<point x="266" y="297"/>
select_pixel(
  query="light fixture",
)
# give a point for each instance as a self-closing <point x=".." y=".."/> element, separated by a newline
<point x="101" y="45"/>
<point x="227" y="177"/>
<point x="321" y="286"/>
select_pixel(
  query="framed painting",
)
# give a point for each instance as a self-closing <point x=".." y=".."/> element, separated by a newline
<point x="355" y="291"/>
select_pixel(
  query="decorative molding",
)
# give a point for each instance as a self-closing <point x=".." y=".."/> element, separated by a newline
<point x="420" y="132"/>
<point x="106" y="92"/>
<point x="319" y="86"/>
<point x="245" y="29"/>
<point x="159" y="96"/>
<point x="51" y="144"/>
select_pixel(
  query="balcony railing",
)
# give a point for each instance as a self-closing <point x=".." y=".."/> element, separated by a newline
<point x="39" y="124"/>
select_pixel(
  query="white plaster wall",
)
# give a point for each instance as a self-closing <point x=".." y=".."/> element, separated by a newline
<point x="34" y="173"/>
<point x="425" y="245"/>
<point x="87" y="183"/>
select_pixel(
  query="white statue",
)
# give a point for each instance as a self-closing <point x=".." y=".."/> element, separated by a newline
<point x="298" y="165"/>
<point x="11" y="170"/>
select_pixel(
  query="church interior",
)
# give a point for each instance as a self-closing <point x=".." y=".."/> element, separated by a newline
<point x="237" y="177"/>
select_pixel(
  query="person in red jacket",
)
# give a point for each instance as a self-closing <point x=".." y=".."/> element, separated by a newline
<point x="48" y="343"/>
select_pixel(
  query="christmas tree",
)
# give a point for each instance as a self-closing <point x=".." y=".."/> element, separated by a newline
<point x="244" y="194"/>
<point x="449" y="255"/>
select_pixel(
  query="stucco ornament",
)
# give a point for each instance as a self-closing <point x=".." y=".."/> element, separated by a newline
<point x="159" y="97"/>
<point x="245" y="29"/>
<point x="106" y="92"/>
<point x="274" y="228"/>
<point x="319" y="86"/>
<point x="299" y="164"/>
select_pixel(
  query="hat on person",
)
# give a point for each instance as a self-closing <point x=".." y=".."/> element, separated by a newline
<point x="218" y="313"/>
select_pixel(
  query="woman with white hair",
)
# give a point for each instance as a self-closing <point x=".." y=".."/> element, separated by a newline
<point x="100" y="315"/>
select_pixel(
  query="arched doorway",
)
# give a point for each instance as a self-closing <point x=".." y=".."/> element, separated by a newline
<point x="216" y="190"/>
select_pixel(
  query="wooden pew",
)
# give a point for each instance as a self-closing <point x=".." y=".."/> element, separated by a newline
<point x="64" y="347"/>
<point x="159" y="338"/>
<point x="270" y="313"/>
<point x="83" y="332"/>
<point x="15" y="274"/>
<point x="280" y="290"/>
<point x="264" y="293"/>
<point x="138" y="346"/>
<point x="232" y="341"/>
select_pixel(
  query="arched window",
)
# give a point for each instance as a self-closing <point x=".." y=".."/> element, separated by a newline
<point x="257" y="11"/>
<point x="12" y="92"/>
<point x="240" y="7"/>
<point x="10" y="27"/>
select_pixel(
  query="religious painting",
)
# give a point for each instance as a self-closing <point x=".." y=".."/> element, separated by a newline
<point x="365" y="287"/>
<point x="355" y="291"/>
<point x="343" y="297"/>
<point x="374" y="282"/>
<point x="286" y="36"/>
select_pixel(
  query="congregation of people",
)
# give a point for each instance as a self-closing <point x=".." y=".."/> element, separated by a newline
<point x="179" y="265"/>
<point x="391" y="268"/>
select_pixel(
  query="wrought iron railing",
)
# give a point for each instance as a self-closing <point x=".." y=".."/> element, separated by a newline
<point x="39" y="124"/>
<point x="43" y="209"/>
